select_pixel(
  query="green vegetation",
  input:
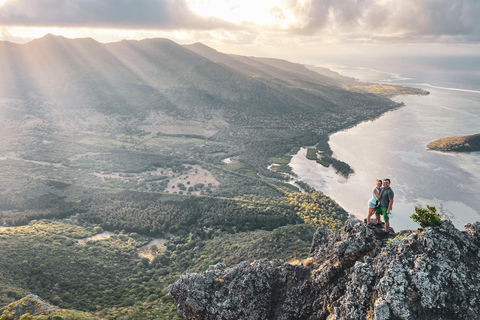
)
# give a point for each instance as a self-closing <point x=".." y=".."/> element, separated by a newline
<point x="149" y="162"/>
<point x="109" y="278"/>
<point x="426" y="217"/>
<point x="45" y="259"/>
<point x="288" y="187"/>
<point x="459" y="144"/>
<point x="156" y="214"/>
<point x="312" y="154"/>
<point x="323" y="163"/>
<point x="385" y="89"/>
<point x="242" y="169"/>
<point x="318" y="210"/>
<point x="34" y="309"/>
<point x="327" y="159"/>
<point x="399" y="236"/>
<point x="281" y="164"/>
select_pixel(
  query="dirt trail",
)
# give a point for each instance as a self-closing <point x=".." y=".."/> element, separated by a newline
<point x="100" y="236"/>
<point x="144" y="251"/>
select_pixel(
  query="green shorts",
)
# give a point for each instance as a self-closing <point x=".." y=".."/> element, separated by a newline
<point x="383" y="212"/>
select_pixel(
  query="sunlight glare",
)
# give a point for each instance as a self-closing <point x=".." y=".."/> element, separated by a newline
<point x="263" y="13"/>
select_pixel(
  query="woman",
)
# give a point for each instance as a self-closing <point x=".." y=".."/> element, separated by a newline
<point x="376" y="195"/>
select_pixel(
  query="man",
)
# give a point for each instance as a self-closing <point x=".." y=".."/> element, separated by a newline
<point x="386" y="203"/>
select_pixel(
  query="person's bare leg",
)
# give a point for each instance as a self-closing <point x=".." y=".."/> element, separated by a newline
<point x="377" y="216"/>
<point x="387" y="226"/>
<point x="370" y="214"/>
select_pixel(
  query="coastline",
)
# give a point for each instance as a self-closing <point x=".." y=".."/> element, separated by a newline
<point x="448" y="181"/>
<point x="324" y="145"/>
<point x="327" y="180"/>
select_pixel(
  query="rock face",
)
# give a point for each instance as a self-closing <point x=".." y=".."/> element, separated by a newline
<point x="358" y="273"/>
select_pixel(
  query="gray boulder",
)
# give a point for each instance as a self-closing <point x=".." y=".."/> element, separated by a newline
<point x="359" y="273"/>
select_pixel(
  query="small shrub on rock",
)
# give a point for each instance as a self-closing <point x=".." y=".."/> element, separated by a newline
<point x="426" y="217"/>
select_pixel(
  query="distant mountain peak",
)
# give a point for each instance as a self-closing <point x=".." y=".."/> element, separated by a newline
<point x="50" y="36"/>
<point x="203" y="49"/>
<point x="201" y="46"/>
<point x="159" y="40"/>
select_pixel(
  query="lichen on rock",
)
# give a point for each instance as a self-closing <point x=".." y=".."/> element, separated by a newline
<point x="353" y="274"/>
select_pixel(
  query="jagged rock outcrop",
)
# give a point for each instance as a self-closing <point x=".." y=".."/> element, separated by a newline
<point x="31" y="304"/>
<point x="359" y="273"/>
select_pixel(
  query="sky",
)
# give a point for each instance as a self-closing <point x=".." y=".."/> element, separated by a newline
<point x="282" y="28"/>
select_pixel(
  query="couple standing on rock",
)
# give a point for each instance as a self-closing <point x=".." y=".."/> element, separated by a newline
<point x="381" y="203"/>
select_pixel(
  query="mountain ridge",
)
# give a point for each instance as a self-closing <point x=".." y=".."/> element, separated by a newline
<point x="353" y="274"/>
<point x="69" y="82"/>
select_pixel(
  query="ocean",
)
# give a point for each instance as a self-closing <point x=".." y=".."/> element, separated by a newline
<point x="395" y="145"/>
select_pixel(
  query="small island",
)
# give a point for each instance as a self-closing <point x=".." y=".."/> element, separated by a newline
<point x="458" y="144"/>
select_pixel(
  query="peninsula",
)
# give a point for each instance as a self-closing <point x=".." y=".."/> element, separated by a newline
<point x="458" y="144"/>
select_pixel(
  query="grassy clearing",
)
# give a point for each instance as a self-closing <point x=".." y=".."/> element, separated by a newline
<point x="295" y="151"/>
<point x="108" y="143"/>
<point x="385" y="89"/>
<point x="280" y="164"/>
<point x="169" y="141"/>
<point x="288" y="186"/>
<point x="241" y="168"/>
<point x="312" y="154"/>
<point x="89" y="142"/>
<point x="189" y="128"/>
<point x="323" y="163"/>
<point x="219" y="154"/>
<point x="120" y="143"/>
<point x="283" y="160"/>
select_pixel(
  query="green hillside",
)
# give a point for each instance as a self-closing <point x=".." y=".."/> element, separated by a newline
<point x="122" y="275"/>
<point x="161" y="152"/>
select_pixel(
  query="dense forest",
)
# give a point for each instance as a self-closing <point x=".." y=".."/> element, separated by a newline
<point x="157" y="214"/>
<point x="109" y="275"/>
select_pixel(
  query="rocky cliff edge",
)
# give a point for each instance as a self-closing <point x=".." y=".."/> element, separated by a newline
<point x="358" y="273"/>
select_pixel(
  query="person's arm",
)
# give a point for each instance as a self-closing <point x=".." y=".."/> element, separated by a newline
<point x="377" y="194"/>
<point x="390" y="205"/>
<point x="390" y="202"/>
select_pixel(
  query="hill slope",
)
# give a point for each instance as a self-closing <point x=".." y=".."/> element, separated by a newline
<point x="257" y="108"/>
<point x="82" y="113"/>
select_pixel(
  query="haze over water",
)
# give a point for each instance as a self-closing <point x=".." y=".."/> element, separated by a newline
<point x="395" y="145"/>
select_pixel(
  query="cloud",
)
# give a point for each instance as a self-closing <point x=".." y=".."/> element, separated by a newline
<point x="330" y="21"/>
<point x="384" y="19"/>
<point x="126" y="14"/>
